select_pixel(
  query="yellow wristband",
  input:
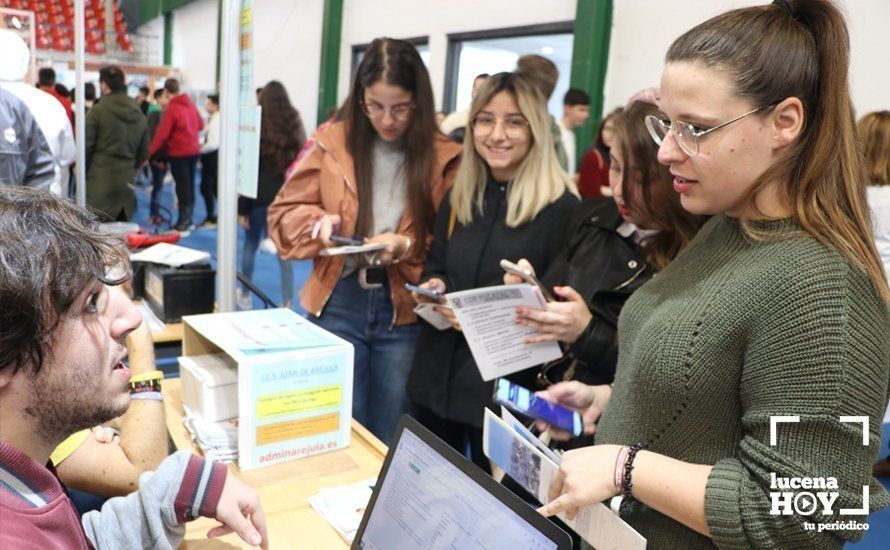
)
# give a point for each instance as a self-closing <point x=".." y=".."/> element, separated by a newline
<point x="151" y="375"/>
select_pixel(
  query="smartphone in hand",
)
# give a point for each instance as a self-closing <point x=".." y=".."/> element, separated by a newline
<point x="528" y="277"/>
<point x="522" y="400"/>
<point x="340" y="239"/>
<point x="434" y="294"/>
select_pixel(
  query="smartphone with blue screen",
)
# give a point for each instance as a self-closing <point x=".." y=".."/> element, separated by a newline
<point x="522" y="400"/>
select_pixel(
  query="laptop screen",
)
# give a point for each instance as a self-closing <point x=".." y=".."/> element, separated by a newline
<point x="425" y="501"/>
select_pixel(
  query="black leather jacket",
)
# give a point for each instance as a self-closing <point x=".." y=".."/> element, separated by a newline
<point x="444" y="377"/>
<point x="605" y="268"/>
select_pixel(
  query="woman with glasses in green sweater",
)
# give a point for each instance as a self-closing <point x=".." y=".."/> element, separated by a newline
<point x="778" y="307"/>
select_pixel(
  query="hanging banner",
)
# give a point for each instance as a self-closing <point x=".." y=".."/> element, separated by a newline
<point x="249" y="115"/>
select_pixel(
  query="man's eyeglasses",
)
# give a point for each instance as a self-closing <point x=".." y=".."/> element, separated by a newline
<point x="688" y="135"/>
<point x="400" y="112"/>
<point x="514" y="126"/>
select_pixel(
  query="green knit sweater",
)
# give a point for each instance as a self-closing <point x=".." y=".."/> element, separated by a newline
<point x="733" y="332"/>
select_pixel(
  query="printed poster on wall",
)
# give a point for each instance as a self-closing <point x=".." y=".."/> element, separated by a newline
<point x="249" y="113"/>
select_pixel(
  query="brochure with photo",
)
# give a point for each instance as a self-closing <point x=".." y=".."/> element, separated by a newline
<point x="534" y="471"/>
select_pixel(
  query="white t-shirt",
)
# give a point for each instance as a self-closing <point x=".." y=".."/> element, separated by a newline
<point x="457" y="119"/>
<point x="568" y="141"/>
<point x="879" y="202"/>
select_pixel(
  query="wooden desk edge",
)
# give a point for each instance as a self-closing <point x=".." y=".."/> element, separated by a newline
<point x="370" y="439"/>
<point x="171" y="333"/>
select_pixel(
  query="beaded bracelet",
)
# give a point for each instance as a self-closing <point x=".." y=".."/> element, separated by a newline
<point x="627" y="482"/>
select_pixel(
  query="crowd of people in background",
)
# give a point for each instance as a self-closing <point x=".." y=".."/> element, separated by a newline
<point x="682" y="249"/>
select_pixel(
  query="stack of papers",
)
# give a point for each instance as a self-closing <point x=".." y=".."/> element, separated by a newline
<point x="217" y="440"/>
<point x="170" y="254"/>
<point x="344" y="506"/>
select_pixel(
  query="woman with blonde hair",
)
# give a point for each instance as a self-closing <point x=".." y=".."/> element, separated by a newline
<point x="510" y="199"/>
<point x="757" y="362"/>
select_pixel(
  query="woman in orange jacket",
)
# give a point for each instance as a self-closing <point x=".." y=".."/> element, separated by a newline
<point x="378" y="175"/>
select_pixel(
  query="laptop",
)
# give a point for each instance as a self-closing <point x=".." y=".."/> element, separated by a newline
<point x="428" y="496"/>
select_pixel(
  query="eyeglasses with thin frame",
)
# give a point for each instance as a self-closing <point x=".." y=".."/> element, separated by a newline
<point x="400" y="112"/>
<point x="688" y="135"/>
<point x="514" y="126"/>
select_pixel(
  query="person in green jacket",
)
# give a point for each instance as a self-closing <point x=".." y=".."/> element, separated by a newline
<point x="753" y="372"/>
<point x="117" y="144"/>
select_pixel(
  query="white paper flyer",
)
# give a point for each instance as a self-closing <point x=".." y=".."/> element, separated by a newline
<point x="487" y="317"/>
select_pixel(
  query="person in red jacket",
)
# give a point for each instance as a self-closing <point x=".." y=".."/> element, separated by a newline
<point x="46" y="81"/>
<point x="593" y="175"/>
<point x="63" y="327"/>
<point x="177" y="136"/>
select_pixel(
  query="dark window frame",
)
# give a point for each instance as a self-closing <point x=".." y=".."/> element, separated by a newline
<point x="456" y="40"/>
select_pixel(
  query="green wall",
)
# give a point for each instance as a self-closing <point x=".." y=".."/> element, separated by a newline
<point x="590" y="58"/>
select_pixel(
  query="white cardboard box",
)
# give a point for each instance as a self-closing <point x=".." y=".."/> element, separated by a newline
<point x="210" y="386"/>
<point x="294" y="381"/>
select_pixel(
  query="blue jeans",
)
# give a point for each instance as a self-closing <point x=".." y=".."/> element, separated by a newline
<point x="252" y="237"/>
<point x="158" y="171"/>
<point x="383" y="354"/>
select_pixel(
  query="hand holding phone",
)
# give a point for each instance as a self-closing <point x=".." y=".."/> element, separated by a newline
<point x="422" y="295"/>
<point x="528" y="276"/>
<point x="589" y="401"/>
<point x="428" y="292"/>
<point x="324" y="226"/>
<point x="522" y="400"/>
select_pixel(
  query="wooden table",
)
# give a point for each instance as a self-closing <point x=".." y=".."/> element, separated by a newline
<point x="285" y="488"/>
<point x="172" y="333"/>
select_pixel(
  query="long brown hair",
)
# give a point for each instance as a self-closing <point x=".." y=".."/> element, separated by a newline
<point x="874" y="136"/>
<point x="282" y="134"/>
<point x="657" y="202"/>
<point x="799" y="48"/>
<point x="395" y="62"/>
